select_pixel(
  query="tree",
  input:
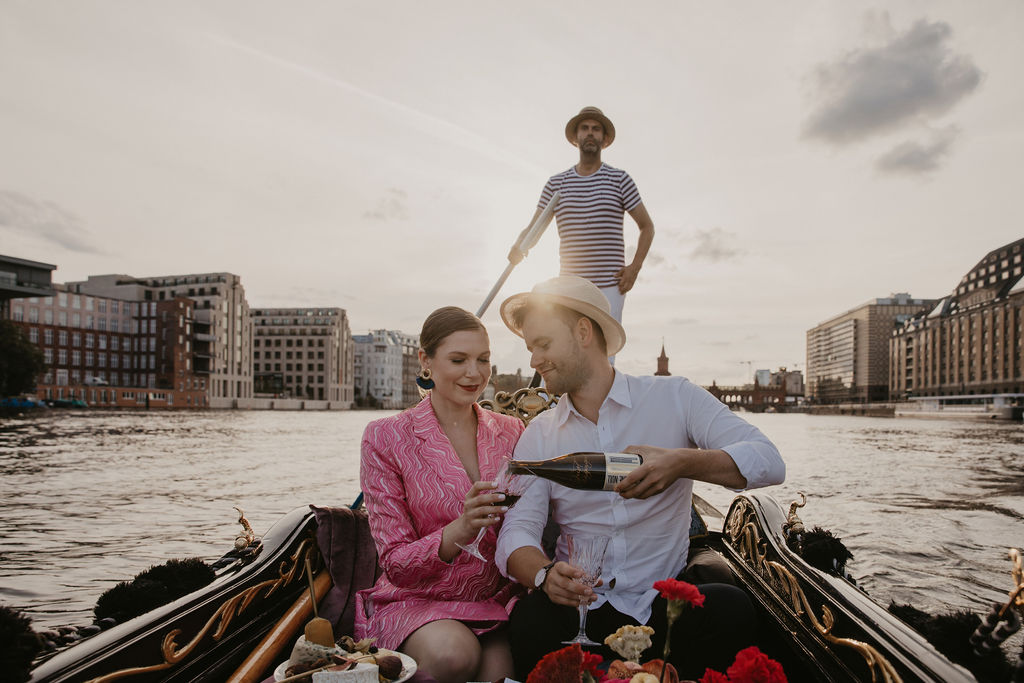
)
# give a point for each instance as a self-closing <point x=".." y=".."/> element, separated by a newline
<point x="21" y="361"/>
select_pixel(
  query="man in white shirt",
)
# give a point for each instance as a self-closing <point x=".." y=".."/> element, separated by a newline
<point x="683" y="433"/>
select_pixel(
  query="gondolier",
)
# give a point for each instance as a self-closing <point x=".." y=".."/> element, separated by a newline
<point x="594" y="200"/>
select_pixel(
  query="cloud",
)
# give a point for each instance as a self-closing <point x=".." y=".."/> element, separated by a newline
<point x="392" y="206"/>
<point x="44" y="220"/>
<point x="912" y="77"/>
<point x="713" y="246"/>
<point x="914" y="158"/>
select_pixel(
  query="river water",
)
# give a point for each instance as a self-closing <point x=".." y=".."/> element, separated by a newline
<point x="87" y="499"/>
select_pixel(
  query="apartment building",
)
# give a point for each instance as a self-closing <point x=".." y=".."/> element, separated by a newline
<point x="305" y="353"/>
<point x="112" y="352"/>
<point x="221" y="343"/>
<point x="971" y="342"/>
<point x="382" y="369"/>
<point x="848" y="355"/>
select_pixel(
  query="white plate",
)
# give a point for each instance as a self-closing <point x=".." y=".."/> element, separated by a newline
<point x="408" y="667"/>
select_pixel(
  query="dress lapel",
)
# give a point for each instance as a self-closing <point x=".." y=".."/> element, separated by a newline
<point x="434" y="448"/>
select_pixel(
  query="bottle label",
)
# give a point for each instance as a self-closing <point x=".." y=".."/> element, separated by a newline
<point x="618" y="466"/>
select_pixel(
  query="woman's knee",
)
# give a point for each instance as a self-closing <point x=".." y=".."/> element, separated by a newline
<point x="447" y="650"/>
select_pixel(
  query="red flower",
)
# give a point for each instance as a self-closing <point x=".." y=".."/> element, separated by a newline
<point x="754" y="666"/>
<point x="672" y="589"/>
<point x="590" y="664"/>
<point x="712" y="676"/>
<point x="560" y="666"/>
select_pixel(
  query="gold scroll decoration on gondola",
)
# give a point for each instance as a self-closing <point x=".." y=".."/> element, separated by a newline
<point x="526" y="403"/>
<point x="745" y="535"/>
<point x="289" y="571"/>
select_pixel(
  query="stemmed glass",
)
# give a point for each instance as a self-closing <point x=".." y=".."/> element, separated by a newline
<point x="513" y="486"/>
<point x="586" y="553"/>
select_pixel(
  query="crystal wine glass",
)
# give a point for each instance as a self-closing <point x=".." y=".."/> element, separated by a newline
<point x="586" y="553"/>
<point x="513" y="486"/>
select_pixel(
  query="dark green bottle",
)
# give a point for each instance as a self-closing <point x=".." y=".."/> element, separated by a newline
<point x="587" y="471"/>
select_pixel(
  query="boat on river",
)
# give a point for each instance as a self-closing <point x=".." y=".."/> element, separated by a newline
<point x="818" y="624"/>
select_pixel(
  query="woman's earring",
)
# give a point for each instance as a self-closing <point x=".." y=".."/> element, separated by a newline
<point x="423" y="380"/>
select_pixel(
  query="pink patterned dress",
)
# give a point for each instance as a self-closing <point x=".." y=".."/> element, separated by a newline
<point x="414" y="485"/>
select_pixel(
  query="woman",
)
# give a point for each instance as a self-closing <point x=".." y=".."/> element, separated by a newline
<point x="428" y="475"/>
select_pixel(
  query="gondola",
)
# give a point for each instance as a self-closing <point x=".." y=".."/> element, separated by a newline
<point x="819" y="625"/>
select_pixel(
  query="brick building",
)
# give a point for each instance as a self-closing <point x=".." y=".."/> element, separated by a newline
<point x="971" y="342"/>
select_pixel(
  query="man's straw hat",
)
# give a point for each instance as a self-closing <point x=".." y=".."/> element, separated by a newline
<point x="572" y="292"/>
<point x="590" y="113"/>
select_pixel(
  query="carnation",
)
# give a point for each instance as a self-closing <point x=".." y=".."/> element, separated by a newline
<point x="751" y="666"/>
<point x="560" y="666"/>
<point x="754" y="666"/>
<point x="673" y="589"/>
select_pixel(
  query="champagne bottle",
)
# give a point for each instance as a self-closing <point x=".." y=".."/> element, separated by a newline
<point x="588" y="471"/>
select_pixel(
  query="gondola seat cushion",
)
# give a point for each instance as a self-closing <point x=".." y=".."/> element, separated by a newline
<point x="350" y="557"/>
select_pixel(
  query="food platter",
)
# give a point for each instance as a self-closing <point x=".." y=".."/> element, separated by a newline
<point x="408" y="666"/>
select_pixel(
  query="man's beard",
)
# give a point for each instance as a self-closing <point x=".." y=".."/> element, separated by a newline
<point x="570" y="376"/>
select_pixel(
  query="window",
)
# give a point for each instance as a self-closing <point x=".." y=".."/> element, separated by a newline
<point x="48" y="316"/>
<point x="33" y="314"/>
<point x="101" y="306"/>
<point x="89" y="341"/>
<point x="62" y="337"/>
<point x="17" y="313"/>
<point x="76" y="338"/>
<point x="76" y="357"/>
<point x="48" y="357"/>
<point x="33" y="335"/>
<point x="115" y="342"/>
<point x="48" y="336"/>
<point x="76" y="320"/>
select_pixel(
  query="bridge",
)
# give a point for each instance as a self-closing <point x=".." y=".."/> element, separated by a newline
<point x="752" y="397"/>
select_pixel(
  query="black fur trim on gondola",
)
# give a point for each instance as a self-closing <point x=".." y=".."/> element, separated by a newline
<point x="822" y="550"/>
<point x="19" y="645"/>
<point x="152" y="588"/>
<point x="950" y="634"/>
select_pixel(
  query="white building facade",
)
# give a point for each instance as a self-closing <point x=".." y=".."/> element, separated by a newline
<point x="380" y="368"/>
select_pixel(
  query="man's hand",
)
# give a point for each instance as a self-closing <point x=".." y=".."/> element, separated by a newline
<point x="627" y="277"/>
<point x="562" y="587"/>
<point x="661" y="468"/>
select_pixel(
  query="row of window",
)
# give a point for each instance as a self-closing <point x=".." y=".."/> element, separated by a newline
<point x="288" y="355"/>
<point x="258" y="341"/>
<point x="288" y="367"/>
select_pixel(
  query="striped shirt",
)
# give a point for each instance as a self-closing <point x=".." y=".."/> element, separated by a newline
<point x="590" y="216"/>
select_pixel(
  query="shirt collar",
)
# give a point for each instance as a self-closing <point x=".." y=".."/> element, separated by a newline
<point x="618" y="393"/>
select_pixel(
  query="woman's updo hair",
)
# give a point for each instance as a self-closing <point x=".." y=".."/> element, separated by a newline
<point x="443" y="322"/>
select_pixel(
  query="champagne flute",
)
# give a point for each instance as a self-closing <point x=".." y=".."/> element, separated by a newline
<point x="586" y="553"/>
<point x="513" y="486"/>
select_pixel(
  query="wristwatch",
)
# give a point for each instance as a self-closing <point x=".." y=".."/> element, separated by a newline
<point x="542" y="575"/>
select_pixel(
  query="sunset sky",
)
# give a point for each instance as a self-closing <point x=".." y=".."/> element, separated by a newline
<point x="798" y="158"/>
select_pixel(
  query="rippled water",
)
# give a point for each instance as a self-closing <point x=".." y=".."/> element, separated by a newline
<point x="87" y="499"/>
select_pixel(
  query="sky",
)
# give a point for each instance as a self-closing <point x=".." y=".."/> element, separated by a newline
<point x="798" y="158"/>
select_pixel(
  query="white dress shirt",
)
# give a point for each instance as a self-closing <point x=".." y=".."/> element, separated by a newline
<point x="649" y="538"/>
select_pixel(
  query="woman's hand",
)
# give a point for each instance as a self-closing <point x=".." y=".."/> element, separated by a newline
<point x="482" y="508"/>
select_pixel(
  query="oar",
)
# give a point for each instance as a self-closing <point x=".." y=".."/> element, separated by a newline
<point x="526" y="241"/>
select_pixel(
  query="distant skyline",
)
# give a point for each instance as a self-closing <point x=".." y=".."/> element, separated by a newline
<point x="798" y="160"/>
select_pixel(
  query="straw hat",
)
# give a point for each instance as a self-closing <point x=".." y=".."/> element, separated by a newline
<point x="572" y="292"/>
<point x="590" y="113"/>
